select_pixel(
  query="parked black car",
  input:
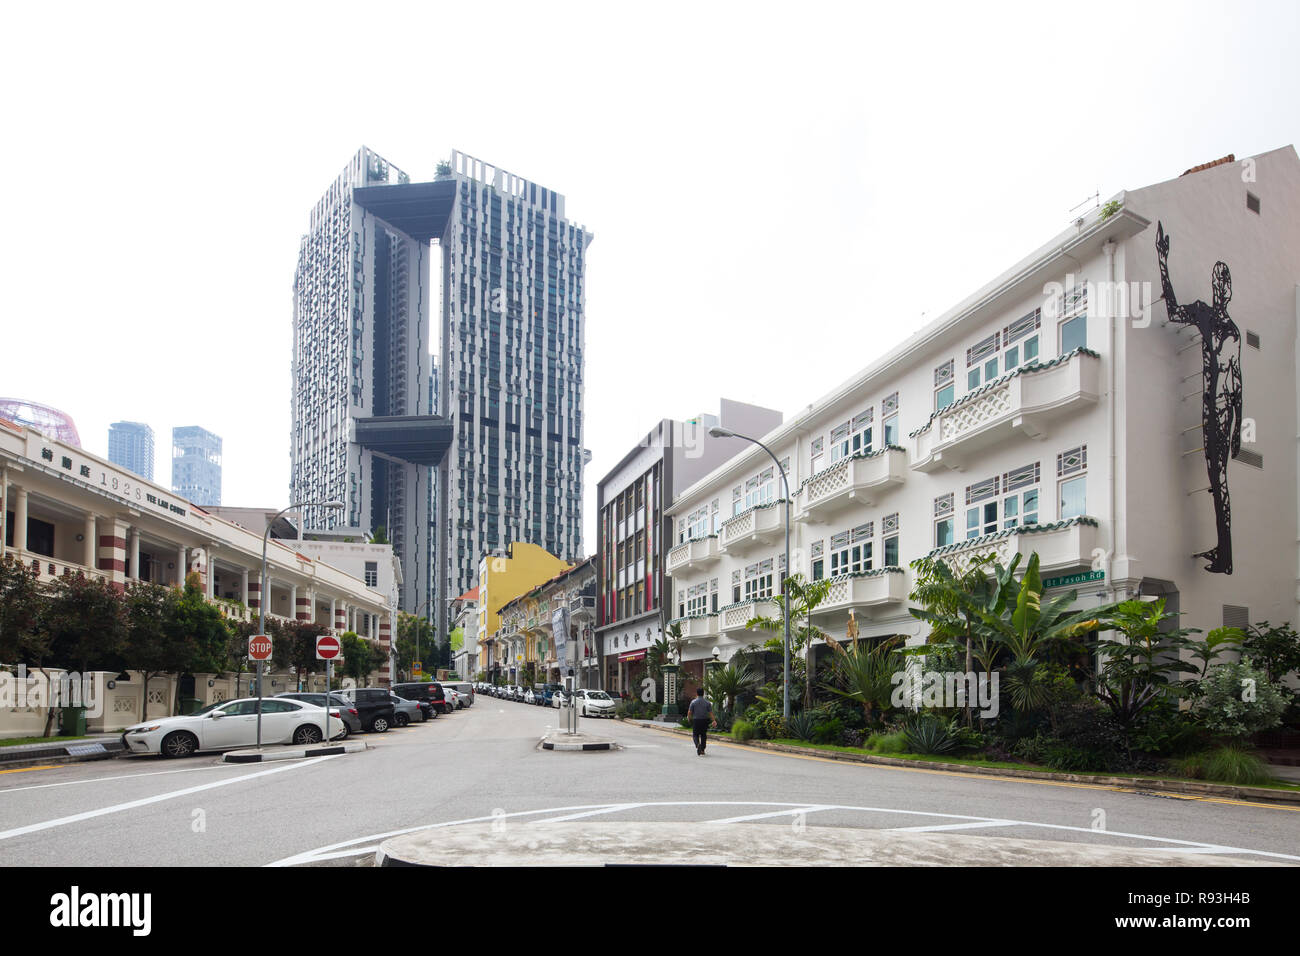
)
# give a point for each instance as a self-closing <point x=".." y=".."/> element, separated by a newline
<point x="373" y="707"/>
<point x="430" y="692"/>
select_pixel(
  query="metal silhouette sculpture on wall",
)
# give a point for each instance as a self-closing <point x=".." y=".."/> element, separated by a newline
<point x="1221" y="398"/>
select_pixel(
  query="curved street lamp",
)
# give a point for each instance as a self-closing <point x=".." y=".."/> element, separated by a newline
<point x="264" y="596"/>
<point x="718" y="431"/>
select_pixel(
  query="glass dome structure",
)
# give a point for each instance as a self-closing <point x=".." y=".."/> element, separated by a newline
<point x="46" y="420"/>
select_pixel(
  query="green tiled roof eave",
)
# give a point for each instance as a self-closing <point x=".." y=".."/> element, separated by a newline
<point x="1027" y="369"/>
<point x="861" y="454"/>
<point x="975" y="543"/>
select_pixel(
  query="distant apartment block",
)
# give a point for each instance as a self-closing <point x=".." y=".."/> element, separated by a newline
<point x="130" y="444"/>
<point x="196" y="465"/>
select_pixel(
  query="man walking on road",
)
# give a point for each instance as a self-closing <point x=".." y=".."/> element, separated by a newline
<point x="700" y="712"/>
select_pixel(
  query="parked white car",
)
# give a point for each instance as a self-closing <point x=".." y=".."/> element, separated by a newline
<point x="528" y="696"/>
<point x="595" y="703"/>
<point x="232" y="724"/>
<point x="454" y="697"/>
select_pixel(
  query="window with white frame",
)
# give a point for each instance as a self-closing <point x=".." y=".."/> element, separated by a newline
<point x="852" y="437"/>
<point x="1072" y="323"/>
<point x="982" y="365"/>
<point x="761" y="489"/>
<point x="695" y="525"/>
<point x="697" y="600"/>
<point x="816" y="455"/>
<point x="944" y="386"/>
<point x="1072" y="482"/>
<point x="851" y="551"/>
<point x="1020" y="496"/>
<point x="889" y="531"/>
<point x="982" y="508"/>
<point x="737" y="500"/>
<point x="817" y="554"/>
<point x="1020" y="341"/>
<point x="714" y="516"/>
<point x="943" y="520"/>
<point x="889" y="416"/>
<point x="758" y="581"/>
<point x="735" y="586"/>
<point x="713" y="596"/>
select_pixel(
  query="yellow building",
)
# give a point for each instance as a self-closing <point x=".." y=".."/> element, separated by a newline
<point x="502" y="578"/>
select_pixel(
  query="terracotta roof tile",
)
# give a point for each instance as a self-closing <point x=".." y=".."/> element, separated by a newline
<point x="1230" y="158"/>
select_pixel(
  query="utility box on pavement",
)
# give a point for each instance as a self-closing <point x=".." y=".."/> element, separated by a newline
<point x="73" y="722"/>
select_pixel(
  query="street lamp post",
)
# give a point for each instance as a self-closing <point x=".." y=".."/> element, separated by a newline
<point x="263" y="596"/>
<point x="719" y="432"/>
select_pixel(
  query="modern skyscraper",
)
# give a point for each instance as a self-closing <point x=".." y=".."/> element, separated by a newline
<point x="509" y="382"/>
<point x="514" y="295"/>
<point x="130" y="444"/>
<point x="196" y="465"/>
<point x="362" y="374"/>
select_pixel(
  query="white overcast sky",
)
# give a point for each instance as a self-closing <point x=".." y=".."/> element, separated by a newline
<point x="778" y="192"/>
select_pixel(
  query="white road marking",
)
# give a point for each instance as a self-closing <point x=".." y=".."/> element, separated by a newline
<point x="811" y="808"/>
<point x="125" y="776"/>
<point x="953" y="826"/>
<point x="159" y="798"/>
<point x="591" y="813"/>
<point x="788" y="809"/>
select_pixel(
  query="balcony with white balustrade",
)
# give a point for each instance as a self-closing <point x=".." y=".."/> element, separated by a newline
<point x="734" y="617"/>
<point x="1062" y="546"/>
<point x="696" y="553"/>
<point x="1026" y="402"/>
<point x="703" y="627"/>
<point x="866" y="594"/>
<point x="750" y="529"/>
<point x="856" y="480"/>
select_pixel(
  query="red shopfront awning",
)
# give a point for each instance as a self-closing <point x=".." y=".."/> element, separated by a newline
<point x="631" y="655"/>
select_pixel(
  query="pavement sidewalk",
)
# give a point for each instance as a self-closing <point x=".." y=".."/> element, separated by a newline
<point x="1195" y="787"/>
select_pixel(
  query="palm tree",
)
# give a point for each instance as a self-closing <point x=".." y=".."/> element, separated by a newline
<point x="728" y="683"/>
<point x="864" y="672"/>
<point x="1019" y="620"/>
<point x="804" y="596"/>
<point x="953" y="604"/>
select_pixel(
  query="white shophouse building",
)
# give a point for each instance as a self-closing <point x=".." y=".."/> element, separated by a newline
<point x="68" y="512"/>
<point x="1058" y="410"/>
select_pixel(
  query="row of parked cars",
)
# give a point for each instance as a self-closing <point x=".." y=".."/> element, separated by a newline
<point x="297" y="718"/>
<point x="590" y="702"/>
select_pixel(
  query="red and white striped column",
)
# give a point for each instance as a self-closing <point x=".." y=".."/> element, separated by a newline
<point x="112" y="551"/>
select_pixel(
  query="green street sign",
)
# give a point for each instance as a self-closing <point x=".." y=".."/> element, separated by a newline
<point x="1069" y="579"/>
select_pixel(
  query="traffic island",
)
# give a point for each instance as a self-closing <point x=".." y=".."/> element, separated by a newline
<point x="559" y="740"/>
<point x="294" y="752"/>
<point x="748" y="844"/>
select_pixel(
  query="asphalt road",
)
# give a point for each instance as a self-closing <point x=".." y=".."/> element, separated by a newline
<point x="484" y="765"/>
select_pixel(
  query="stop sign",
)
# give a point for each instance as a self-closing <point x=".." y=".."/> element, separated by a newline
<point x="259" y="647"/>
<point x="327" y="647"/>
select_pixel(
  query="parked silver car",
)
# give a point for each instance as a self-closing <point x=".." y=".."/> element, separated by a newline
<point x="405" y="711"/>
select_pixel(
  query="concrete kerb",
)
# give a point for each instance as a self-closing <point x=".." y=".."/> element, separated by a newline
<point x="293" y="753"/>
<point x="63" y="751"/>
<point x="555" y="740"/>
<point x="1188" y="787"/>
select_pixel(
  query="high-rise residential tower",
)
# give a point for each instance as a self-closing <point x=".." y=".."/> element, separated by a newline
<point x="514" y="295"/>
<point x="509" y="382"/>
<point x="362" y="373"/>
<point x="196" y="465"/>
<point x="130" y="444"/>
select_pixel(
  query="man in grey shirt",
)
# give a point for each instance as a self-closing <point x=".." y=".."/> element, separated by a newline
<point x="700" y="713"/>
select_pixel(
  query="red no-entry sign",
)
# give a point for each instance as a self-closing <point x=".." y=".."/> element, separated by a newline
<point x="327" y="647"/>
<point x="259" y="647"/>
